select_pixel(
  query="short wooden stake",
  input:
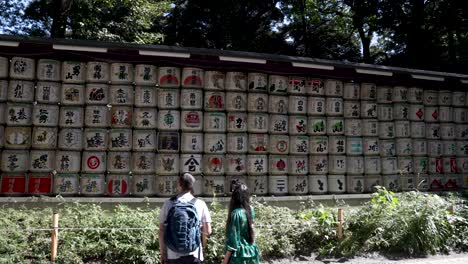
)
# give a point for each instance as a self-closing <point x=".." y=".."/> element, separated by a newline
<point x="54" y="237"/>
<point x="451" y="209"/>
<point x="340" y="224"/>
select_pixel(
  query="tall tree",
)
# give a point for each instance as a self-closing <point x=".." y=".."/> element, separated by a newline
<point x="10" y="16"/>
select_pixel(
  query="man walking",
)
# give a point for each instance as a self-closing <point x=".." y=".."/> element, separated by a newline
<point x="182" y="220"/>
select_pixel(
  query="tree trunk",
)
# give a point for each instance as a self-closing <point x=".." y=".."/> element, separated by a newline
<point x="62" y="7"/>
<point x="416" y="39"/>
<point x="305" y="35"/>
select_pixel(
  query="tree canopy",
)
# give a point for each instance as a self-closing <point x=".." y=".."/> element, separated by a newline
<point x="428" y="34"/>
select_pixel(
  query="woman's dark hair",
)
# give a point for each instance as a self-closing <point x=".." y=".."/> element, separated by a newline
<point x="240" y="198"/>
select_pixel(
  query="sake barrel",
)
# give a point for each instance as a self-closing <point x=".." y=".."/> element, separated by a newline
<point x="70" y="139"/>
<point x="72" y="94"/>
<point x="93" y="162"/>
<point x="298" y="165"/>
<point x="297" y="104"/>
<point x="191" y="163"/>
<point x="351" y="91"/>
<point x="400" y="94"/>
<point x="422" y="182"/>
<point x="430" y="97"/>
<point x="167" y="164"/>
<point x="97" y="94"/>
<point x="43" y="138"/>
<point x="143" y="163"/>
<point x="258" y="185"/>
<point x="368" y="109"/>
<point x="444" y="97"/>
<point x="333" y="88"/>
<point x="335" y="126"/>
<point x="143" y="185"/>
<point x="39" y="183"/>
<point x="420" y="164"/>
<point x="121" y="116"/>
<point x="458" y="98"/>
<point x="404" y="147"/>
<point x="298" y="185"/>
<point x="168" y="142"/>
<point x="18" y="114"/>
<point x="407" y="182"/>
<point x="92" y="184"/>
<point x="445" y="114"/>
<point x="67" y="161"/>
<point x="121" y="95"/>
<point x="214" y="164"/>
<point x="318" y="164"/>
<point x="433" y="131"/>
<point x="117" y="184"/>
<point x="145" y="140"/>
<point x="98" y="116"/>
<point x="166" y="186"/>
<point x="168" y="98"/>
<point x="371" y="182"/>
<point x="169" y="77"/>
<point x="354" y="146"/>
<point x="168" y="120"/>
<point x="22" y="68"/>
<point x="2" y="136"/>
<point x="236" y="101"/>
<point x="257" y="164"/>
<point x="297" y="85"/>
<point x="449" y="148"/>
<point x="436" y="182"/>
<point x="337" y="145"/>
<point x="402" y="129"/>
<point x="461" y="131"/>
<point x="353" y="127"/>
<point x="66" y="184"/>
<point x="460" y="115"/>
<point x="416" y="112"/>
<point x="279" y="144"/>
<point x="257" y="82"/>
<point x="419" y="147"/>
<point x="257" y="102"/>
<point x="237" y="122"/>
<point x="145" y="96"/>
<point x="435" y="148"/>
<point x="258" y="143"/>
<point x="389" y="165"/>
<point x="317" y="125"/>
<point x="145" y="74"/>
<point x="386" y="130"/>
<point x="370" y="128"/>
<point x="232" y="181"/>
<point x="392" y="182"/>
<point x="191" y="99"/>
<point x="48" y="70"/>
<point x="453" y="181"/>
<point x="385" y="112"/>
<point x="354" y="165"/>
<point x="3" y="90"/>
<point x="318" y="145"/>
<point x="368" y="91"/>
<point x="384" y="94"/>
<point x="17" y="137"/>
<point x="334" y="106"/>
<point x="215" y="122"/>
<point x="355" y="184"/>
<point x="237" y="143"/>
<point x="97" y="72"/>
<point x="387" y="148"/>
<point x="15" y="160"/>
<point x="278" y="164"/>
<point x="405" y="164"/>
<point x="120" y="140"/>
<point x="449" y="165"/>
<point x="418" y="129"/>
<point x="121" y="73"/>
<point x="401" y="111"/>
<point x="193" y="121"/>
<point x="236" y="164"/>
<point x="214" y="101"/>
<point x="95" y="139"/>
<point x="316" y="105"/>
<point x="13" y="184"/>
<point x="299" y="145"/>
<point x="278" y="124"/>
<point x="277" y="84"/>
<point x="315" y="87"/>
<point x="372" y="165"/>
<point x="278" y="185"/>
<point x="257" y="122"/>
<point x="236" y="81"/>
<point x="297" y="125"/>
<point x="352" y="109"/>
<point x="415" y="95"/>
<point x="370" y="146"/>
<point x="462" y="164"/>
<point x="336" y="184"/>
<point x="73" y="72"/>
<point x="278" y="104"/>
<point x="214" y="143"/>
<point x="336" y="164"/>
<point x="462" y="148"/>
<point x="144" y="118"/>
<point x="318" y="184"/>
<point x="4" y="67"/>
<point x="435" y="165"/>
<point x="46" y="92"/>
<point x="20" y="91"/>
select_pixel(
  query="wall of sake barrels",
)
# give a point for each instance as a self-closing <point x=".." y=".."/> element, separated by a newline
<point x="119" y="129"/>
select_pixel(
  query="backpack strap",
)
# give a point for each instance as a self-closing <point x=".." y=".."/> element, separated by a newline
<point x="193" y="200"/>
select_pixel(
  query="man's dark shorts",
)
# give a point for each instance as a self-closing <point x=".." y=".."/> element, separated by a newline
<point x="184" y="260"/>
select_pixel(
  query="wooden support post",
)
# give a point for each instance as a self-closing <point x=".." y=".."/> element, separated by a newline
<point x="54" y="237"/>
<point x="340" y="224"/>
<point x="451" y="209"/>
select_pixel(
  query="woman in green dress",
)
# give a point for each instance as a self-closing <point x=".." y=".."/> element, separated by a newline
<point x="240" y="241"/>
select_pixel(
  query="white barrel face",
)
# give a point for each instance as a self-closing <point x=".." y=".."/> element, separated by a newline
<point x="279" y="144"/>
<point x="315" y="87"/>
<point x="73" y="72"/>
<point x="351" y="91"/>
<point x="384" y="94"/>
<point x="215" y="143"/>
<point x="192" y="121"/>
<point x="257" y="102"/>
<point x="389" y="165"/>
<point x="334" y="106"/>
<point x="214" y="101"/>
<point x="297" y="104"/>
<point x="121" y="73"/>
<point x="278" y="104"/>
<point x="66" y="184"/>
<point x="238" y="143"/>
<point x="119" y="162"/>
<point x="316" y="105"/>
<point x="143" y="163"/>
<point x="372" y="165"/>
<point x="353" y="127"/>
<point x="278" y="124"/>
<point x="257" y="164"/>
<point x="191" y="163"/>
<point x="298" y="185"/>
<point x="258" y="184"/>
<point x="92" y="184"/>
<point x="236" y="102"/>
<point x="236" y="164"/>
<point x="335" y="126"/>
<point x="402" y="129"/>
<point x="236" y="81"/>
<point x="297" y="85"/>
<point x="258" y="143"/>
<point x="354" y="146"/>
<point x="420" y="165"/>
<point x="445" y="114"/>
<point x="97" y="93"/>
<point x="168" y="98"/>
<point x="167" y="164"/>
<point x="333" y="88"/>
<point x="145" y="140"/>
<point x="169" y="77"/>
<point x="22" y="68"/>
<point x="336" y="183"/>
<point x="95" y="139"/>
<point x="401" y="111"/>
<point x="145" y="74"/>
<point x="370" y="146"/>
<point x="214" y="122"/>
<point x="371" y="182"/>
<point x="318" y="164"/>
<point x="459" y="98"/>
<point x="318" y="184"/>
<point x="191" y="99"/>
<point x="257" y="122"/>
<point x="337" y="145"/>
<point x="370" y="128"/>
<point x="97" y="72"/>
<point x="317" y="126"/>
<point x="352" y="109"/>
<point x="337" y="164"/>
<point x="418" y="129"/>
<point x="298" y="165"/>
<point x="444" y="98"/>
<point x="48" y="70"/>
<point x="318" y="145"/>
<point x="368" y="109"/>
<point x="20" y="91"/>
<point x="404" y="147"/>
<point x="386" y="130"/>
<point x="278" y="185"/>
<point x="415" y="95"/>
<point x="257" y="82"/>
<point x="237" y="122"/>
<point x="400" y="94"/>
<point x="143" y="185"/>
<point x="145" y="96"/>
<point x="93" y="162"/>
<point x="277" y="84"/>
<point x="355" y="165"/>
<point x="430" y="97"/>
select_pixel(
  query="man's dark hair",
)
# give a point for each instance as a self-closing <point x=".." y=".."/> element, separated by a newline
<point x="186" y="181"/>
